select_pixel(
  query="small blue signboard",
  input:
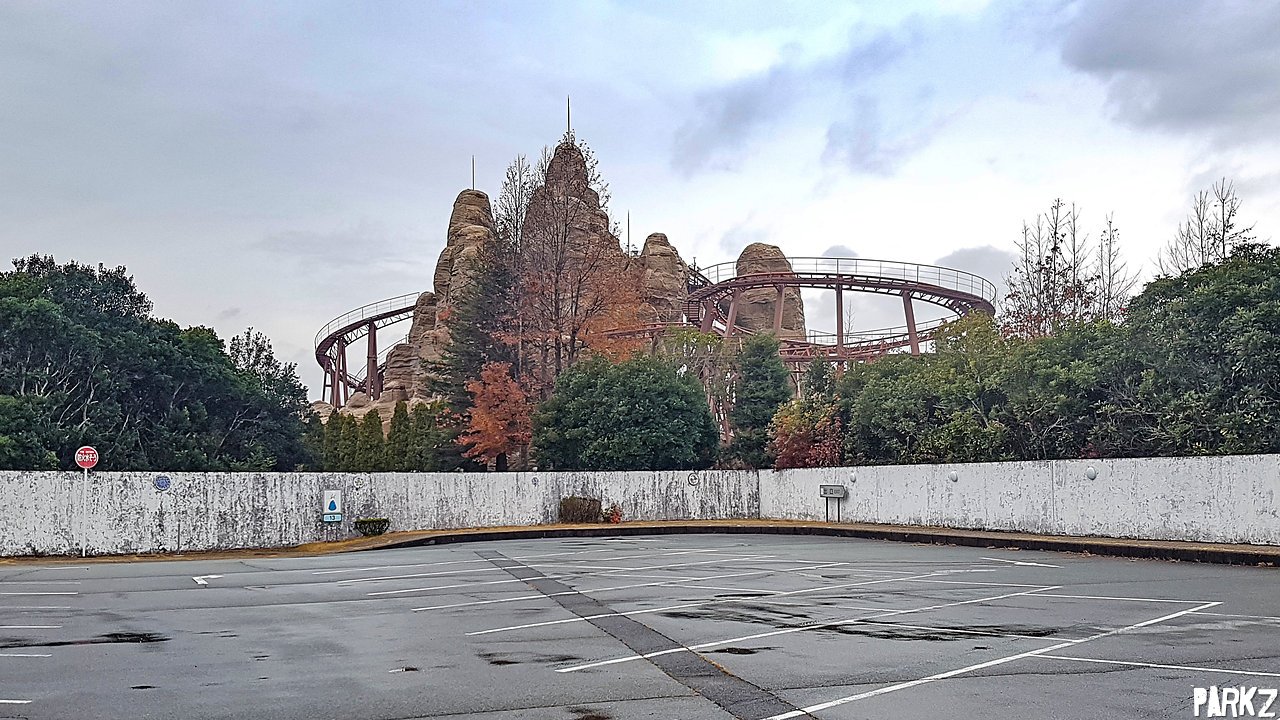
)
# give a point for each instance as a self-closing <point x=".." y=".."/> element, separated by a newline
<point x="161" y="483"/>
<point x="331" y="506"/>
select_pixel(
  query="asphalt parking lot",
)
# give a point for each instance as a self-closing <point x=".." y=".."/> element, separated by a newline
<point x="698" y="626"/>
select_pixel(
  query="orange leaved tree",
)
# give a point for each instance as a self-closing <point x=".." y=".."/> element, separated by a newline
<point x="498" y="425"/>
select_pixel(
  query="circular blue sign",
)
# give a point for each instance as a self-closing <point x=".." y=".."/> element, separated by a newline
<point x="161" y="482"/>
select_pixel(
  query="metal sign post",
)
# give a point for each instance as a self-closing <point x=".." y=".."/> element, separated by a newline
<point x="86" y="458"/>
<point x="829" y="493"/>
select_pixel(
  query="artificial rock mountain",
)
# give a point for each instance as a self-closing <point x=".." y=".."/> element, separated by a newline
<point x="662" y="278"/>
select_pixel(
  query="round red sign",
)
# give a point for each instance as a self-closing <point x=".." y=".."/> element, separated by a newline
<point x="86" y="457"/>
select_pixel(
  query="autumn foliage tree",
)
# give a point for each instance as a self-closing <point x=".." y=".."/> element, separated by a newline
<point x="499" y="424"/>
<point x="574" y="282"/>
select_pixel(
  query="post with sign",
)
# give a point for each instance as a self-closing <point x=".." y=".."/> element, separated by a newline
<point x="829" y="493"/>
<point x="331" y="506"/>
<point x="86" y="458"/>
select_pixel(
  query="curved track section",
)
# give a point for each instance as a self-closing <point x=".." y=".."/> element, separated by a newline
<point x="711" y="306"/>
<point x="714" y="291"/>
<point x="349" y="328"/>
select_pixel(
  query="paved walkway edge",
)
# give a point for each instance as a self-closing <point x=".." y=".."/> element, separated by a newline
<point x="1153" y="549"/>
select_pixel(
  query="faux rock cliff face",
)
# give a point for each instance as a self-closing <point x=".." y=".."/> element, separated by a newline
<point x="662" y="276"/>
<point x="567" y="195"/>
<point x="405" y="378"/>
<point x="757" y="306"/>
<point x="664" y="280"/>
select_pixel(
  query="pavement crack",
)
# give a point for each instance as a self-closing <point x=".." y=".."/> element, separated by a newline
<point x="734" y="695"/>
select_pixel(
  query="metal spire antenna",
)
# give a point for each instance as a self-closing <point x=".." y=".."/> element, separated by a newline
<point x="568" y="116"/>
<point x="473" y="172"/>
<point x="628" y="231"/>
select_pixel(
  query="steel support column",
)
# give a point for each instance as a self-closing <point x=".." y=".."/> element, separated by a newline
<point x="911" y="323"/>
<point x="341" y="363"/>
<point x="777" y="313"/>
<point x="333" y="382"/>
<point x="708" y="315"/>
<point x="733" y="313"/>
<point x="839" y="327"/>
<point x="372" y="383"/>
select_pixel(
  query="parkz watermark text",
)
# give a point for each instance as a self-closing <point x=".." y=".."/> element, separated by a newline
<point x="1234" y="702"/>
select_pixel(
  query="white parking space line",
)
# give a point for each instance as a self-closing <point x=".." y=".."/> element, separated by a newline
<point x="976" y="582"/>
<point x="14" y="702"/>
<point x="35" y="607"/>
<point x="1022" y="563"/>
<point x="508" y="580"/>
<point x="39" y="593"/>
<point x="25" y="655"/>
<point x="788" y="631"/>
<point x="1226" y="671"/>
<point x="489" y="568"/>
<point x="482" y="560"/>
<point x="703" y="603"/>
<point x="1250" y="617"/>
<point x="39" y="582"/>
<point x="1129" y="599"/>
<point x="539" y="596"/>
<point x="29" y="627"/>
<point x="983" y="665"/>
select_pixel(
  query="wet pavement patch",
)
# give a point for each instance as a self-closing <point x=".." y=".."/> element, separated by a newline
<point x="494" y="659"/>
<point x="109" y="638"/>
<point x="742" y="650"/>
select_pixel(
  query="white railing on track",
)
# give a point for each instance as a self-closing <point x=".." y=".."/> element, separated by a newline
<point x="935" y="275"/>
<point x="821" y="337"/>
<point x="366" y="311"/>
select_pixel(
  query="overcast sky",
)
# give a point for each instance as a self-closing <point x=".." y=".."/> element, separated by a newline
<point x="274" y="164"/>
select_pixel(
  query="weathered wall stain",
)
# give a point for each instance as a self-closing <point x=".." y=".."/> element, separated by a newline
<point x="1208" y="499"/>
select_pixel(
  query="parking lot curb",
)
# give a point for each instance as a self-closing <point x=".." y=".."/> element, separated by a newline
<point x="1219" y="553"/>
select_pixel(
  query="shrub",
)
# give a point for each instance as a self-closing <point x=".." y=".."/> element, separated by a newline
<point x="372" y="526"/>
<point x="614" y="514"/>
<point x="575" y="509"/>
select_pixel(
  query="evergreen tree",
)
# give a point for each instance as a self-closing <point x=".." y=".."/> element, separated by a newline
<point x="399" y="438"/>
<point x="348" y="434"/>
<point x="83" y="361"/>
<point x="819" y="379"/>
<point x="332" y="453"/>
<point x="313" y="442"/>
<point x="425" y="438"/>
<point x="762" y="387"/>
<point x="480" y="321"/>
<point x="643" y="414"/>
<point x="370" y="444"/>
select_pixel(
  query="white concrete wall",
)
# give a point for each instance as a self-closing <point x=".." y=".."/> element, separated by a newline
<point x="1212" y="499"/>
<point x="1207" y="499"/>
<point x="40" y="513"/>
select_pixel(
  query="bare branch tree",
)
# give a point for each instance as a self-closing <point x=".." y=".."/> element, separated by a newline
<point x="573" y="268"/>
<point x="1209" y="233"/>
<point x="1115" y="280"/>
<point x="1052" y="283"/>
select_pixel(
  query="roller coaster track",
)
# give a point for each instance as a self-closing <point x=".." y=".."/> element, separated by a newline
<point x="714" y="294"/>
<point x="716" y="291"/>
<point x="347" y="329"/>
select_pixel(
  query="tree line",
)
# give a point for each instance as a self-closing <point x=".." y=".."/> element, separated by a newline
<point x="1073" y="366"/>
<point x="83" y="361"/>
